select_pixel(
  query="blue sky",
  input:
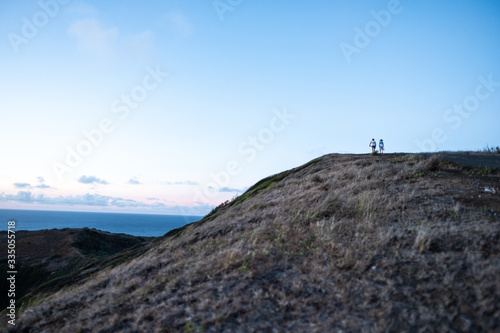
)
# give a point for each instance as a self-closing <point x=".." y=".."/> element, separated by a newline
<point x="171" y="107"/>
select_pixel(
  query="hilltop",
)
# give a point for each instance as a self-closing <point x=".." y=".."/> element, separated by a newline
<point x="396" y="242"/>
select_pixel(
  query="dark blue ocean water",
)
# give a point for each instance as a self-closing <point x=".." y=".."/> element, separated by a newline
<point x="132" y="224"/>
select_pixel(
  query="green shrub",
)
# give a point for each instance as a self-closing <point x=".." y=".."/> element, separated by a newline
<point x="481" y="171"/>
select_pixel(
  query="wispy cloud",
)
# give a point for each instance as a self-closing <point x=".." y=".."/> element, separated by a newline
<point x="42" y="184"/>
<point x="26" y="186"/>
<point x="178" y="22"/>
<point x="22" y="185"/>
<point x="103" y="41"/>
<point x="133" y="181"/>
<point x="231" y="190"/>
<point x="94" y="37"/>
<point x="91" y="180"/>
<point x="187" y="182"/>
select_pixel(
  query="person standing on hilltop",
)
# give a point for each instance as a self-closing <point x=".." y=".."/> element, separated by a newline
<point x="373" y="144"/>
<point x="381" y="146"/>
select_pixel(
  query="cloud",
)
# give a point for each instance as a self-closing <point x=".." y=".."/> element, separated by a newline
<point x="84" y="200"/>
<point x="26" y="186"/>
<point x="91" y="180"/>
<point x="22" y="185"/>
<point x="231" y="190"/>
<point x="133" y="181"/>
<point x="179" y="23"/>
<point x="42" y="184"/>
<point x="21" y="196"/>
<point x="100" y="40"/>
<point x="97" y="200"/>
<point x="187" y="182"/>
<point x="87" y="199"/>
<point x="94" y="38"/>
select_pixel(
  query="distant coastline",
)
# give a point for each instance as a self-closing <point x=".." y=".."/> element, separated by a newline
<point x="131" y="224"/>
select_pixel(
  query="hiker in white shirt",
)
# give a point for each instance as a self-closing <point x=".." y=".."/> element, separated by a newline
<point x="373" y="144"/>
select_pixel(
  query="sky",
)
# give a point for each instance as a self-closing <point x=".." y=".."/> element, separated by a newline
<point x="172" y="107"/>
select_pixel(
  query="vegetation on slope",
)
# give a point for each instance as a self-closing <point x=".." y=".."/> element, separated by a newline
<point x="48" y="260"/>
<point x="375" y="243"/>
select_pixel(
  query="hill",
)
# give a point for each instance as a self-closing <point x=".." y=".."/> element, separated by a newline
<point x="47" y="260"/>
<point x="343" y="243"/>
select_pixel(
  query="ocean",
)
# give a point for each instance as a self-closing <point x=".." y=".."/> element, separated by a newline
<point x="132" y="224"/>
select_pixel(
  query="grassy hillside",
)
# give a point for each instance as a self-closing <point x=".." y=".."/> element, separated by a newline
<point x="50" y="259"/>
<point x="345" y="242"/>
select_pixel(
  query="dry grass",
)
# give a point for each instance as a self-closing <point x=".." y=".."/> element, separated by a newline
<point x="352" y="243"/>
